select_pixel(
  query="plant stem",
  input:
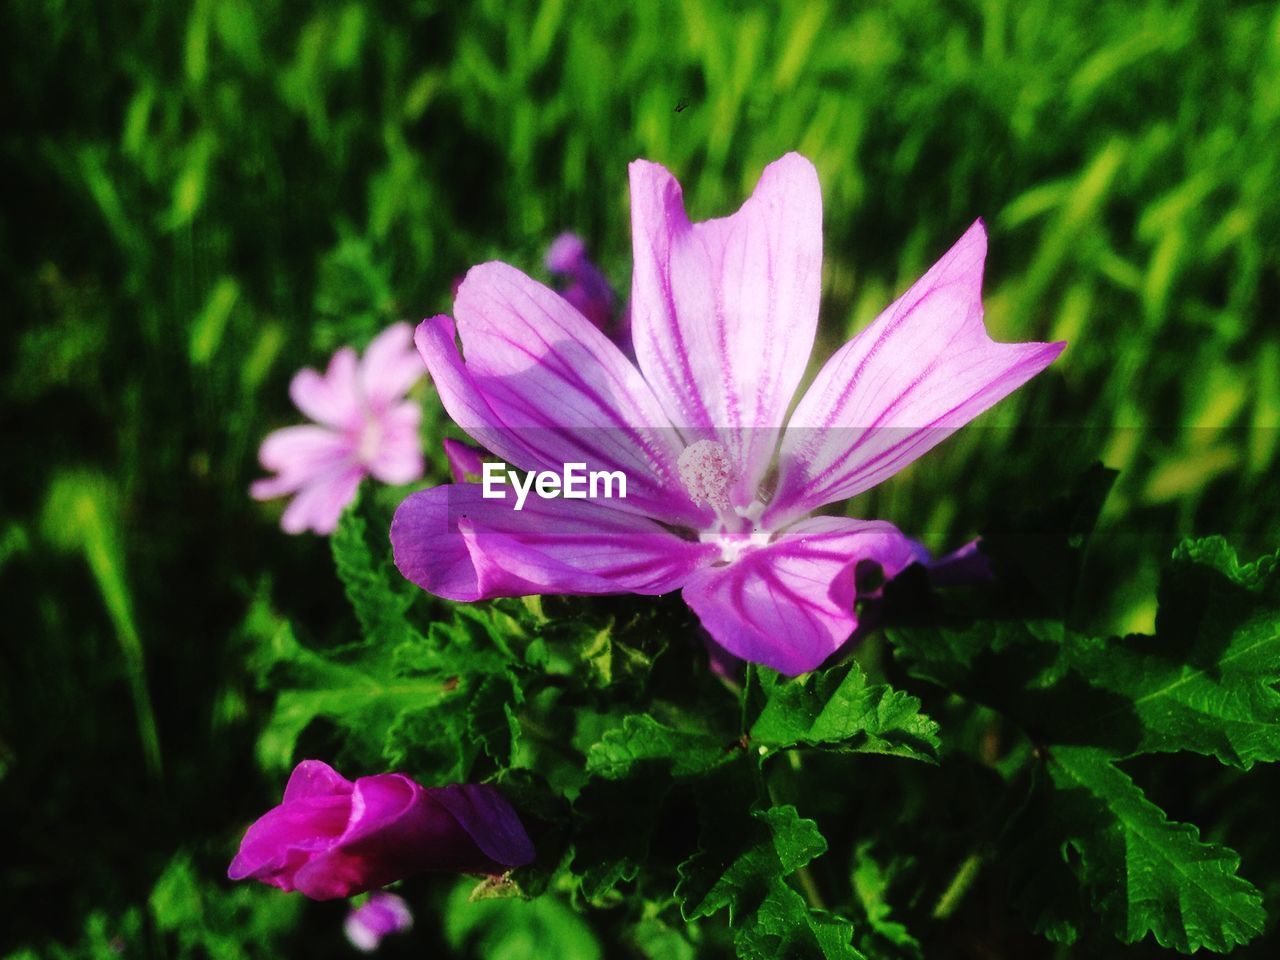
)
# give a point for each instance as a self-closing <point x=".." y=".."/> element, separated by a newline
<point x="965" y="875"/>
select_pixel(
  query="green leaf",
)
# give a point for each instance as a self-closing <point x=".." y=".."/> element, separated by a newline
<point x="785" y="926"/>
<point x="357" y="689"/>
<point x="614" y="821"/>
<point x="1144" y="873"/>
<point x="378" y="593"/>
<point x="1205" y="682"/>
<point x="736" y="870"/>
<point x="839" y="709"/>
<point x="655" y="940"/>
<point x="516" y="929"/>
<point x="643" y="739"/>
<point x="885" y="937"/>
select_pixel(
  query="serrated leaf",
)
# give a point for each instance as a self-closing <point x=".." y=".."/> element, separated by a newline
<point x="785" y="926"/>
<point x="1206" y="681"/>
<point x="1144" y="873"/>
<point x="357" y="689"/>
<point x="643" y="739"/>
<point x="491" y="719"/>
<point x="736" y="870"/>
<point x="888" y="937"/>
<point x="839" y="709"/>
<point x="379" y="596"/>
<point x="613" y="824"/>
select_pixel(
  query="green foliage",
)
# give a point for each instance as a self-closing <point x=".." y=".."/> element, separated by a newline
<point x="1205" y="683"/>
<point x="203" y="198"/>
<point x="517" y="929"/>
<point x="189" y="918"/>
<point x="840" y="709"/>
<point x="1143" y="873"/>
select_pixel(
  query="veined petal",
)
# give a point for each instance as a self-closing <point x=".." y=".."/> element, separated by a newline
<point x="724" y="312"/>
<point x="455" y="544"/>
<point x="465" y="461"/>
<point x="541" y="387"/>
<point x="922" y="370"/>
<point x="789" y="605"/>
<point x="390" y="366"/>
<point x="332" y="398"/>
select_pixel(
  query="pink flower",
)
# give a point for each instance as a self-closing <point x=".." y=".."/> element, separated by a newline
<point x="585" y="286"/>
<point x="363" y="425"/>
<point x="721" y="484"/>
<point x="332" y="838"/>
<point x="381" y="915"/>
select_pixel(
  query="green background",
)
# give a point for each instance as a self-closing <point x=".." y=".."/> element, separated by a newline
<point x="202" y="198"/>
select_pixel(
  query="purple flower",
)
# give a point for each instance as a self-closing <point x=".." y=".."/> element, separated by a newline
<point x="721" y="485"/>
<point x="363" y="425"/>
<point x="381" y="915"/>
<point x="465" y="461"/>
<point x="586" y="288"/>
<point x="332" y="838"/>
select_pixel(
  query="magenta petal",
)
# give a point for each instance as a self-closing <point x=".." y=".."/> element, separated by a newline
<point x="397" y="457"/>
<point x="298" y="455"/>
<point x="318" y="505"/>
<point x="465" y="461"/>
<point x="489" y="820"/>
<point x="724" y="312"/>
<point x="380" y="916"/>
<point x="332" y="398"/>
<point x="963" y="567"/>
<point x="787" y="605"/>
<point x="331" y="838"/>
<point x="587" y="288"/>
<point x="541" y="387"/>
<point x="455" y="544"/>
<point x="390" y="366"/>
<point x="315" y="778"/>
<point x="922" y="370"/>
<point x="569" y="391"/>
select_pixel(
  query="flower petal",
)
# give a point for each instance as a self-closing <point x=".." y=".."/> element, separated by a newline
<point x="315" y="778"/>
<point x="724" y="312"/>
<point x="320" y="503"/>
<point x="332" y="398"/>
<point x="465" y="461"/>
<point x="586" y="287"/>
<point x="455" y="544"/>
<point x="390" y="366"/>
<point x="298" y="455"/>
<point x="489" y="820"/>
<point x="921" y="371"/>
<point x="542" y="387"/>
<point x="284" y="838"/>
<point x="397" y="458"/>
<point x="789" y="605"/>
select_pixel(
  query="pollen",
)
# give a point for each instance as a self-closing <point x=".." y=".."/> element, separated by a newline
<point x="706" y="473"/>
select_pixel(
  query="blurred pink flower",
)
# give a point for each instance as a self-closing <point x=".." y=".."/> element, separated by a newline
<point x="379" y="916"/>
<point x="586" y="287"/>
<point x="330" y="837"/>
<point x="363" y="426"/>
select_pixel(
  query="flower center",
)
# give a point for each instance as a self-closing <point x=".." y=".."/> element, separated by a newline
<point x="706" y="473"/>
<point x="370" y="441"/>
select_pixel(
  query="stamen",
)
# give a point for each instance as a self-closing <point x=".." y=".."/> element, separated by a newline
<point x="706" y="473"/>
